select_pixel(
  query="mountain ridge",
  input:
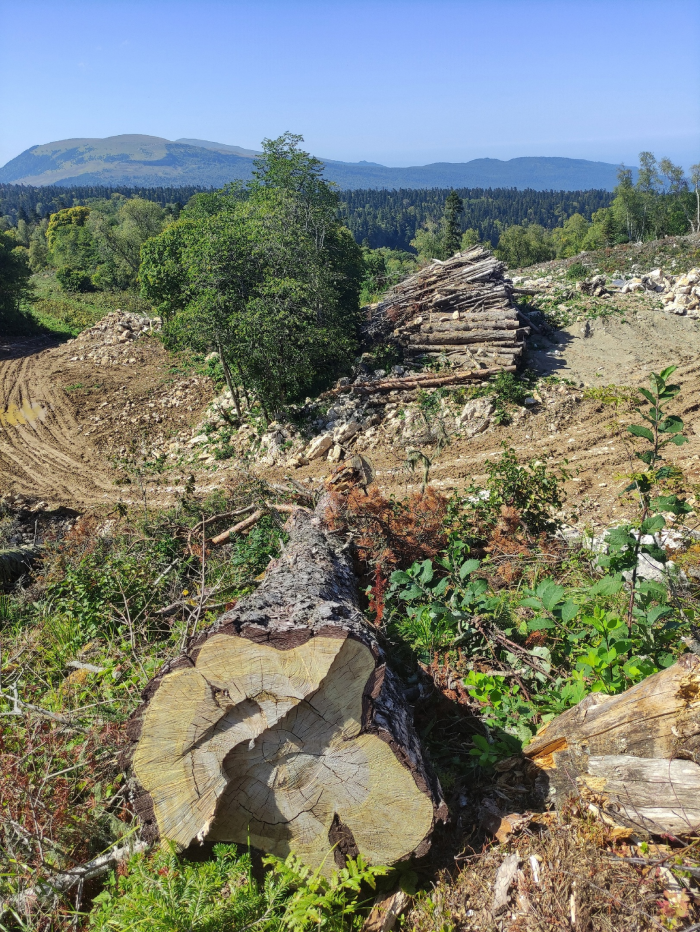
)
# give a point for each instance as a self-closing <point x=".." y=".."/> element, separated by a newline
<point x="139" y="159"/>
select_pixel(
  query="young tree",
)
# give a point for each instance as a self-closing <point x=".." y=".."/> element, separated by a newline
<point x="569" y="239"/>
<point x="38" y="247"/>
<point x="695" y="182"/>
<point x="284" y="166"/>
<point x="452" y="224"/>
<point x="270" y="281"/>
<point x="70" y="240"/>
<point x="119" y="235"/>
<point x="470" y="238"/>
<point x="14" y="280"/>
<point x="428" y="242"/>
<point x="520" y="246"/>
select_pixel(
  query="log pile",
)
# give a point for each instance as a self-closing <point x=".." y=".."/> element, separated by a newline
<point x="460" y="309"/>
<point x="282" y="726"/>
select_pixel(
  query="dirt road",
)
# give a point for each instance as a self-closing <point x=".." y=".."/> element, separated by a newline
<point x="63" y="418"/>
<point x="42" y="452"/>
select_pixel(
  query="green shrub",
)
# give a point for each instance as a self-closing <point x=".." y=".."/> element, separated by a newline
<point x="161" y="893"/>
<point x="532" y="488"/>
<point x="577" y="271"/>
<point x="73" y="280"/>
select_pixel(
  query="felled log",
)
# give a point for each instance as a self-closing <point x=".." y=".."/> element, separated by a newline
<point x="15" y="563"/>
<point x="282" y="726"/>
<point x="420" y="380"/>
<point x="634" y="756"/>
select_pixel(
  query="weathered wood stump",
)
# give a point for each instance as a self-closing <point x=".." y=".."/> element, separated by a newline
<point x="282" y="726"/>
<point x="635" y="755"/>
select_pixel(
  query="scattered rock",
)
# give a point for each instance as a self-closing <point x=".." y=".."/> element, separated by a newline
<point x="319" y="446"/>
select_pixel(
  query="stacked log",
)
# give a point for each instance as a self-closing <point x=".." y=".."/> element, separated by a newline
<point x="460" y="309"/>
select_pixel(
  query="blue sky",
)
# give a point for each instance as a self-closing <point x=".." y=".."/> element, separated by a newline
<point x="402" y="83"/>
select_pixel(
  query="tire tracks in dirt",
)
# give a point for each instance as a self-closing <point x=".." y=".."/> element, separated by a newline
<point x="42" y="452"/>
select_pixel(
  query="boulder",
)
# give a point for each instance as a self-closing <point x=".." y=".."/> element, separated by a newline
<point x="345" y="432"/>
<point x="336" y="454"/>
<point x="319" y="446"/>
<point x="476" y="415"/>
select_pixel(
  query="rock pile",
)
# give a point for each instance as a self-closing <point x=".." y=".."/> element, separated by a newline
<point x="109" y="341"/>
<point x="593" y="286"/>
<point x="681" y="295"/>
<point x="398" y="420"/>
<point x="684" y="296"/>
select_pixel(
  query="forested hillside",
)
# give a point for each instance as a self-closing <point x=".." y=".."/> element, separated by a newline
<point x="30" y="202"/>
<point x="392" y="218"/>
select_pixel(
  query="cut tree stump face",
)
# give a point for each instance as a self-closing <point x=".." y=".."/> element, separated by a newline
<point x="265" y="745"/>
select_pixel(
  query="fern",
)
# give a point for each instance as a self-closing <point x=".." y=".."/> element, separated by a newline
<point x="164" y="893"/>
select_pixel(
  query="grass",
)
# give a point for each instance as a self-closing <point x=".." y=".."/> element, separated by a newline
<point x="95" y="599"/>
<point x="62" y="314"/>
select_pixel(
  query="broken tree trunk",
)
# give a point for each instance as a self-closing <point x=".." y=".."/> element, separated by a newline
<point x="634" y="756"/>
<point x="282" y="726"/>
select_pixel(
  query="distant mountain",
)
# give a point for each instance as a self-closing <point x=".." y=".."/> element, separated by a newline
<point x="152" y="161"/>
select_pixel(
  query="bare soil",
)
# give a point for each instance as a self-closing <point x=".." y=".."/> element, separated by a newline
<point x="68" y="428"/>
<point x="65" y="424"/>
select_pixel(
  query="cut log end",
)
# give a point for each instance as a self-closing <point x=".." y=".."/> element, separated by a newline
<point x="634" y="757"/>
<point x="297" y="743"/>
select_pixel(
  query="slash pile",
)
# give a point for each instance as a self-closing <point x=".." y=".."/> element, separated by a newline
<point x="460" y="310"/>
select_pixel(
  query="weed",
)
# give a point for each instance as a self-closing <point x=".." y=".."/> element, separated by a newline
<point x="164" y="893"/>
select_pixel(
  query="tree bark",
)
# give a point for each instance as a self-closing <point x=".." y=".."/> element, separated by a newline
<point x="14" y="564"/>
<point x="634" y="756"/>
<point x="282" y="726"/>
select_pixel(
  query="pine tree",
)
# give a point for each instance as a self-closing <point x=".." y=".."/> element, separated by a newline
<point x="452" y="236"/>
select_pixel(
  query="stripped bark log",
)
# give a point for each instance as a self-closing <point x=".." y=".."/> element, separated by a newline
<point x="282" y="725"/>
<point x="633" y="756"/>
<point x="420" y="380"/>
<point x="460" y="336"/>
<point x="243" y="525"/>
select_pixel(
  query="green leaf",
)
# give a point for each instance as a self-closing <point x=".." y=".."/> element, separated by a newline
<point x="658" y="611"/>
<point x="679" y="440"/>
<point x="653" y="524"/>
<point x="671" y="425"/>
<point x="398" y="576"/>
<point x="648" y="395"/>
<point x="539" y="624"/>
<point x="655" y="552"/>
<point x="639" y="431"/>
<point x="606" y="585"/>
<point x="469" y="567"/>
<point x="620" y="537"/>
<point x="668" y="371"/>
<point x="550" y="593"/>
<point x="673" y="503"/>
<point x="426" y="572"/>
<point x="569" y="610"/>
<point x="646" y="457"/>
